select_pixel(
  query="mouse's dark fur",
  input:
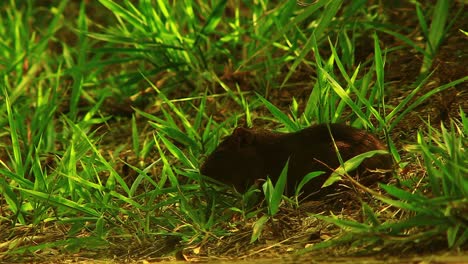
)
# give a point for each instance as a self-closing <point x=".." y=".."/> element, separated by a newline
<point x="249" y="155"/>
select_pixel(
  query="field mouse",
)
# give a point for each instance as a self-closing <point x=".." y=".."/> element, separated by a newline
<point x="249" y="155"/>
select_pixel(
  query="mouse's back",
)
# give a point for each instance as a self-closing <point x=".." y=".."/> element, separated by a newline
<point x="315" y="149"/>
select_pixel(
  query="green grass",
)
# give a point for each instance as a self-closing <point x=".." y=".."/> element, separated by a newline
<point x="441" y="213"/>
<point x="73" y="159"/>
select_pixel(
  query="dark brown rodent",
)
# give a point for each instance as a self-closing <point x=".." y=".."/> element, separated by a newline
<point x="249" y="155"/>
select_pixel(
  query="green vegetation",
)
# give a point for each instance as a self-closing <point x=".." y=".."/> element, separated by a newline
<point x="108" y="108"/>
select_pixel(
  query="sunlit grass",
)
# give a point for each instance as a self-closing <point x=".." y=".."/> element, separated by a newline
<point x="435" y="209"/>
<point x="181" y="59"/>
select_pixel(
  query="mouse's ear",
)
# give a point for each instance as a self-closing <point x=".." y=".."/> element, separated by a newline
<point x="244" y="136"/>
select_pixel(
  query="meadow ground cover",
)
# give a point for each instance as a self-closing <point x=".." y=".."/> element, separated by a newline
<point x="108" y="109"/>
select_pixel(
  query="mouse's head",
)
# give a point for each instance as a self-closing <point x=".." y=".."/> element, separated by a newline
<point x="235" y="161"/>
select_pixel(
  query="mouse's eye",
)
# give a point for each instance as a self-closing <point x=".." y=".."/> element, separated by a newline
<point x="225" y="144"/>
